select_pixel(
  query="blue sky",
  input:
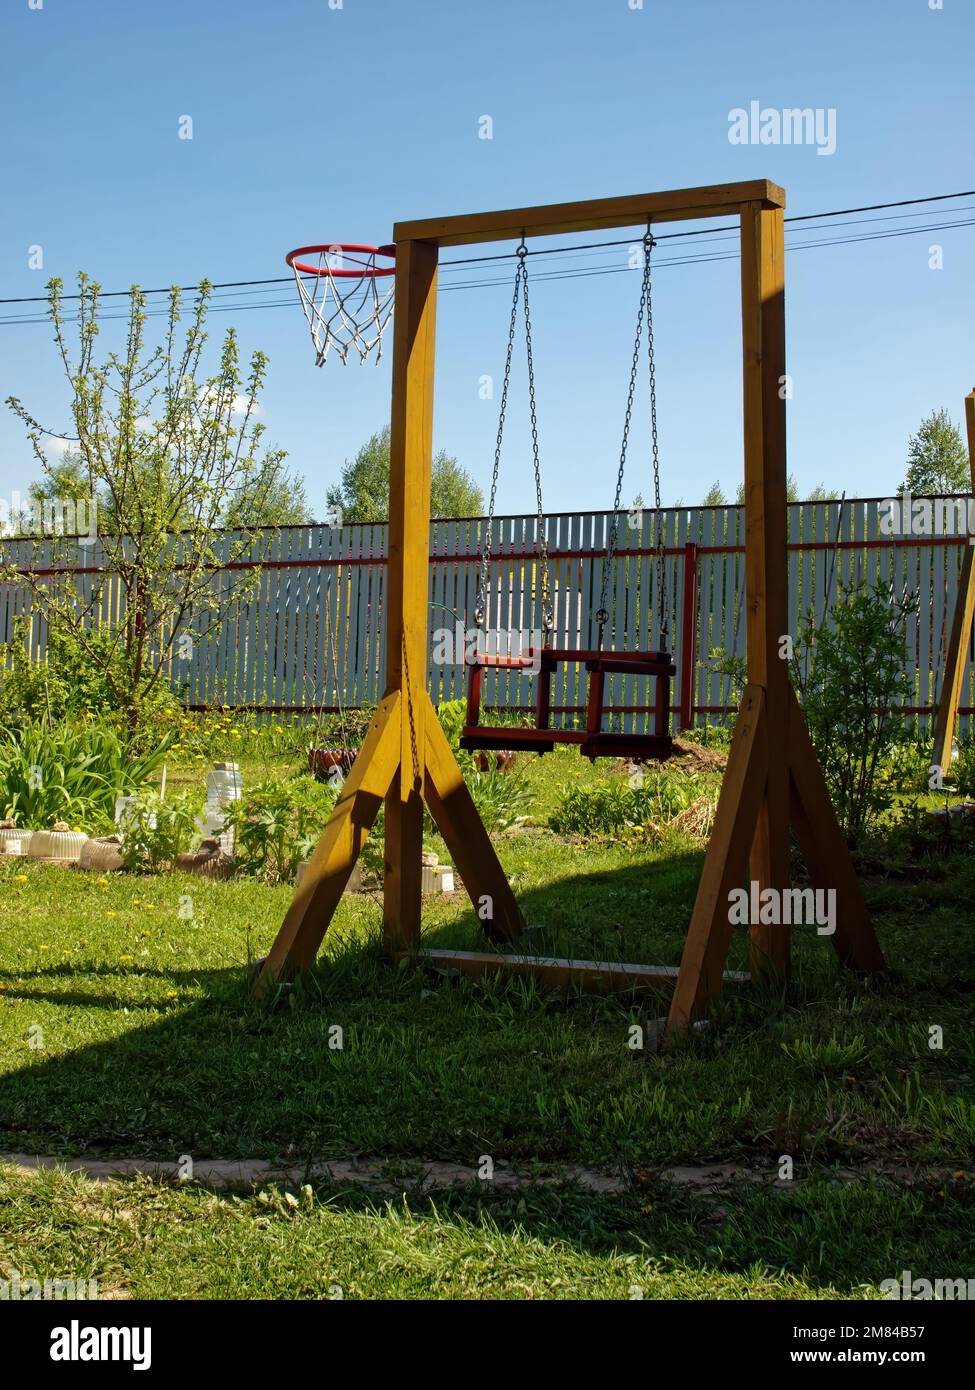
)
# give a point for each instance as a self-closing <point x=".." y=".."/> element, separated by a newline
<point x="318" y="123"/>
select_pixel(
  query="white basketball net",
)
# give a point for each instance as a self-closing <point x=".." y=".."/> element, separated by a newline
<point x="345" y="313"/>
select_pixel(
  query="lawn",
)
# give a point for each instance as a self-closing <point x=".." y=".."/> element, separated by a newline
<point x="127" y="1028"/>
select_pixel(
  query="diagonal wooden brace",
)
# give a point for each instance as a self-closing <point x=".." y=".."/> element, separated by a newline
<point x="313" y="904"/>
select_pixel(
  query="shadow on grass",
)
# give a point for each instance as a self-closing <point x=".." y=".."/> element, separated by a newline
<point x="362" y="1059"/>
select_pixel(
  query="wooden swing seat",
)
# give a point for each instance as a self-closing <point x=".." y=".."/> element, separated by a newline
<point x="593" y="742"/>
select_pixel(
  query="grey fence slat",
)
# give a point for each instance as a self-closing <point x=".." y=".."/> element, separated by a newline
<point x="924" y="654"/>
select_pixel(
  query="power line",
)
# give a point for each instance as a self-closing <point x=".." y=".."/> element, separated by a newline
<point x="506" y="255"/>
<point x="238" y="306"/>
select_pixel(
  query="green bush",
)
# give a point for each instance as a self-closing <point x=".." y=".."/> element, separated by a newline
<point x="503" y="799"/>
<point x="907" y="767"/>
<point x="277" y="824"/>
<point x="962" y="773"/>
<point x="654" y="794"/>
<point x="68" y="683"/>
<point x="851" y="695"/>
<point x="70" y="772"/>
<point x="156" y="831"/>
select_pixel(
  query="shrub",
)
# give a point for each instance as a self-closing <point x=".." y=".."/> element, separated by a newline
<point x="907" y="767"/>
<point x="962" y="773"/>
<point x="156" y="831"/>
<point x="654" y="795"/>
<point x="67" y="683"/>
<point x="71" y="772"/>
<point x="277" y="824"/>
<point x="851" y="695"/>
<point x="502" y="799"/>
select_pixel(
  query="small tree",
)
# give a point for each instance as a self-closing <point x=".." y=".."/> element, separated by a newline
<point x="852" y="694"/>
<point x="715" y="496"/>
<point x="161" y="448"/>
<point x="362" y="495"/>
<point x="937" y="460"/>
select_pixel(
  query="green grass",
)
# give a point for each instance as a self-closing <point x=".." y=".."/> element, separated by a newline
<point x="140" y="1240"/>
<point x="127" y="1027"/>
<point x="152" y="1043"/>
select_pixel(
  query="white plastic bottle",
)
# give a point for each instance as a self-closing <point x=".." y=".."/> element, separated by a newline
<point x="223" y="786"/>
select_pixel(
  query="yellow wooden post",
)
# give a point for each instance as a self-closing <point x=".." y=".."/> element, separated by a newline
<point x="410" y="451"/>
<point x="956" y="657"/>
<point x="766" y="570"/>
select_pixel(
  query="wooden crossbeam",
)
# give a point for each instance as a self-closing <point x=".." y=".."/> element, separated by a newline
<point x="558" y="973"/>
<point x="593" y="214"/>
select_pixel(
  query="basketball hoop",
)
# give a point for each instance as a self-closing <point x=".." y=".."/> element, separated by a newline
<point x="342" y="300"/>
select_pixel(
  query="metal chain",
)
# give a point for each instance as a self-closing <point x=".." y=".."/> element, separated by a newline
<point x="407" y="690"/>
<point x="548" y="618"/>
<point x="480" y="608"/>
<point x="660" y="565"/>
<point x="602" y="613"/>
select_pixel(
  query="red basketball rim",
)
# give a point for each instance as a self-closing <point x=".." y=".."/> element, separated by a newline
<point x="348" y="248"/>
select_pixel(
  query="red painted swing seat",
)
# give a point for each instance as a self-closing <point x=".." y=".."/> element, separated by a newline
<point x="593" y="741"/>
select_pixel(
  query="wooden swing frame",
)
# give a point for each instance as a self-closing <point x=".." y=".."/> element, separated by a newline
<point x="773" y="779"/>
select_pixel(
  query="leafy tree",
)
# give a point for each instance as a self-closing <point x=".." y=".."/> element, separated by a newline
<point x="715" y="496"/>
<point x="937" y="460"/>
<point x="162" y="447"/>
<point x="362" y="495"/>
<point x="274" y="497"/>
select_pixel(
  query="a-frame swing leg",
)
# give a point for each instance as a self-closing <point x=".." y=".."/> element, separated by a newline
<point x="467" y="840"/>
<point x="825" y="850"/>
<point x="826" y="853"/>
<point x="304" y="927"/>
<point x="709" y="935"/>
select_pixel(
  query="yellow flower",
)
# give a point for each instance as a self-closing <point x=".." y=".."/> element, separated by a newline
<point x="43" y="948"/>
<point x="111" y="914"/>
<point x="173" y="994"/>
<point x="20" y="878"/>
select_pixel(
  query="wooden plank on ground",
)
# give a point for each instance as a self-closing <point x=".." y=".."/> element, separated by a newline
<point x="554" y="973"/>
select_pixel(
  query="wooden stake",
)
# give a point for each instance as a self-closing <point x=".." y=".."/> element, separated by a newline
<point x="956" y="657"/>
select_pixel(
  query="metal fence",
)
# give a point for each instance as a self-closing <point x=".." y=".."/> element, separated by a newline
<point x="308" y="632"/>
